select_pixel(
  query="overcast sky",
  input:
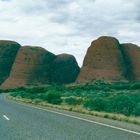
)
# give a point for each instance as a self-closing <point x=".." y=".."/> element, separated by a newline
<point x="69" y="26"/>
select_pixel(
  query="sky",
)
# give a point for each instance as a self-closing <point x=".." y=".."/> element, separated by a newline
<point x="69" y="26"/>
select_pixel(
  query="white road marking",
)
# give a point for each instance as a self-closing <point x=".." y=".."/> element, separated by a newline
<point x="6" y="117"/>
<point x="83" y="119"/>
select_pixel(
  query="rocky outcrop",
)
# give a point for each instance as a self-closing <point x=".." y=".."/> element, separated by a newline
<point x="64" y="69"/>
<point x="31" y="66"/>
<point x="103" y="61"/>
<point x="106" y="59"/>
<point x="8" y="51"/>
<point x="131" y="53"/>
<point x="35" y="66"/>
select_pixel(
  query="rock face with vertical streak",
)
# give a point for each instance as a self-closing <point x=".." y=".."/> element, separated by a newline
<point x="131" y="54"/>
<point x="64" y="69"/>
<point x="31" y="66"/>
<point x="103" y="61"/>
<point x="8" y="51"/>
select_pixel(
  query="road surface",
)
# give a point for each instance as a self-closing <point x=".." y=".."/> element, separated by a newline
<point x="25" y="122"/>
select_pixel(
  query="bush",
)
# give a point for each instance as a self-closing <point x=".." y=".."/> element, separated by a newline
<point x="97" y="104"/>
<point x="110" y="97"/>
<point x="135" y="85"/>
<point x="36" y="90"/>
<point x="20" y="93"/>
<point x="136" y="111"/>
<point x="53" y="98"/>
<point x="20" y="88"/>
<point x="120" y="86"/>
<point x="121" y="104"/>
<point x="73" y="101"/>
<point x="14" y="94"/>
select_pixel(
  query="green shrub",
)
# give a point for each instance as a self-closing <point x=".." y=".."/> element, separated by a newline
<point x="73" y="101"/>
<point x="135" y="85"/>
<point x="20" y="88"/>
<point x="97" y="104"/>
<point x="42" y="96"/>
<point x="36" y="90"/>
<point x="14" y="94"/>
<point x="53" y="98"/>
<point x="110" y="97"/>
<point x="136" y="111"/>
<point x="121" y="104"/>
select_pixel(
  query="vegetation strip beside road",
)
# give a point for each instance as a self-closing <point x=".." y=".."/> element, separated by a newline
<point x="118" y="101"/>
<point x="119" y="117"/>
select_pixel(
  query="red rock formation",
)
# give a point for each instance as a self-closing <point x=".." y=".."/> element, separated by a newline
<point x="31" y="66"/>
<point x="64" y="69"/>
<point x="35" y="65"/>
<point x="131" y="54"/>
<point x="8" y="51"/>
<point x="103" y="61"/>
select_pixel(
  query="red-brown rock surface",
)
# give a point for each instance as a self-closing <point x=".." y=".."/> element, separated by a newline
<point x="131" y="54"/>
<point x="64" y="69"/>
<point x="8" y="51"/>
<point x="31" y="66"/>
<point x="103" y="61"/>
<point x="106" y="60"/>
<point x="35" y="65"/>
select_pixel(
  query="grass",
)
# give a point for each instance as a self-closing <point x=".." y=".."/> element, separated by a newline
<point x="119" y="101"/>
<point x="80" y="109"/>
<point x="121" y="98"/>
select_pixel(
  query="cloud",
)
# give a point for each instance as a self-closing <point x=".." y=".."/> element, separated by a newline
<point x="69" y="25"/>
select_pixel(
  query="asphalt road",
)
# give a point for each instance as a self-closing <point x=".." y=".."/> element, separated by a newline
<point x="24" y="122"/>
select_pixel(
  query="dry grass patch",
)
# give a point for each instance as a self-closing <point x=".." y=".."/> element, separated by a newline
<point x="80" y="109"/>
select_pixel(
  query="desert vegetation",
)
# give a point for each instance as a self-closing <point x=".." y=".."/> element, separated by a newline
<point x="121" y="98"/>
